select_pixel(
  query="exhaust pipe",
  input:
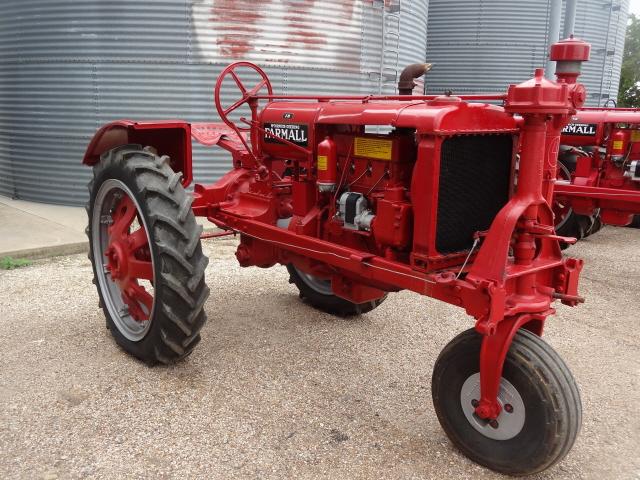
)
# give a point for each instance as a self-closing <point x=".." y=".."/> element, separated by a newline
<point x="411" y="72"/>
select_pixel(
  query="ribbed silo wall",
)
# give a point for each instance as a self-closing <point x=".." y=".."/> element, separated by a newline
<point x="485" y="45"/>
<point x="603" y="24"/>
<point x="69" y="66"/>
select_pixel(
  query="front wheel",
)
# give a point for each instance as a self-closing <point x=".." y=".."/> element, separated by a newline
<point x="147" y="260"/>
<point x="541" y="409"/>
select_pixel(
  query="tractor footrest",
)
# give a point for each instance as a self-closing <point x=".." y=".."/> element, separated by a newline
<point x="210" y="134"/>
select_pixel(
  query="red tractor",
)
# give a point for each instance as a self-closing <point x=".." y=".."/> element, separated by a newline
<point x="598" y="171"/>
<point x="359" y="196"/>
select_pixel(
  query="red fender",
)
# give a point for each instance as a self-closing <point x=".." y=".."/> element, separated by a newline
<point x="172" y="138"/>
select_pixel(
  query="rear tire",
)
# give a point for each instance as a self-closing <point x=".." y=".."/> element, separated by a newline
<point x="569" y="223"/>
<point x="167" y="326"/>
<point x="317" y="293"/>
<point x="535" y="376"/>
<point x="578" y="226"/>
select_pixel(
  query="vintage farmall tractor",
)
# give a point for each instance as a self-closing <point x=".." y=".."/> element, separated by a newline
<point x="598" y="171"/>
<point x="433" y="204"/>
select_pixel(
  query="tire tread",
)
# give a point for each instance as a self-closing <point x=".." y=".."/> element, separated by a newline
<point x="331" y="304"/>
<point x="551" y="374"/>
<point x="180" y="288"/>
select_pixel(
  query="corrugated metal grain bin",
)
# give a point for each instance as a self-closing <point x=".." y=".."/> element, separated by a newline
<point x="484" y="45"/>
<point x="69" y="66"/>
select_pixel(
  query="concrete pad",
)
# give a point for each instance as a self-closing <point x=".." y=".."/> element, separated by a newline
<point x="74" y="218"/>
<point x="37" y="230"/>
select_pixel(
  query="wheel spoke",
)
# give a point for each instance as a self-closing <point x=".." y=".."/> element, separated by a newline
<point x="257" y="88"/>
<point x="238" y="82"/>
<point x="123" y="216"/>
<point x="136" y="297"/>
<point x="133" y="308"/>
<point x="140" y="269"/>
<point x="235" y="105"/>
<point x="143" y="297"/>
<point x="138" y="239"/>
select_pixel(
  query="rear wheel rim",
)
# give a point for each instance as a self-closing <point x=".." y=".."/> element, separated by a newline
<point x="512" y="414"/>
<point x="320" y="285"/>
<point x="123" y="259"/>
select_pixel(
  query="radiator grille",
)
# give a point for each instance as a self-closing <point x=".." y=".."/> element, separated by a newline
<point x="475" y="174"/>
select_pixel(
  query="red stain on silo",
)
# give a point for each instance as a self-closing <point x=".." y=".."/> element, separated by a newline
<point x="244" y="27"/>
<point x="300" y="28"/>
<point x="235" y="24"/>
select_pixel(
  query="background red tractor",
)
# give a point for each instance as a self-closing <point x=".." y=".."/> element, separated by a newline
<point x="359" y="196"/>
<point x="598" y="171"/>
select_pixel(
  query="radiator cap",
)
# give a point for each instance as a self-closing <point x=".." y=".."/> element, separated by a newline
<point x="444" y="100"/>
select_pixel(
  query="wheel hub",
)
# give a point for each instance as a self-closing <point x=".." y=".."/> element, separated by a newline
<point x="512" y="413"/>
<point x="117" y="260"/>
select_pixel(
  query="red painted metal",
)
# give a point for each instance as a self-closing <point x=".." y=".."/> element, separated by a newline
<point x="129" y="259"/>
<point x="271" y="197"/>
<point x="599" y="183"/>
<point x="204" y="236"/>
<point x="246" y="93"/>
<point x="370" y="98"/>
<point x="327" y="164"/>
<point x="169" y="137"/>
<point x="247" y="96"/>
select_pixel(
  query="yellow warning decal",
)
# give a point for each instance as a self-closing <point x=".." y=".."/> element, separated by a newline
<point x="617" y="144"/>
<point x="322" y="162"/>
<point x="635" y="135"/>
<point x="373" y="148"/>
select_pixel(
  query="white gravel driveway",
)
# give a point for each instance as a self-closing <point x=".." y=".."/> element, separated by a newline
<point x="278" y="390"/>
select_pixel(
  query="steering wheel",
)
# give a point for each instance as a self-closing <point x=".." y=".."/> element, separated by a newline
<point x="246" y="93"/>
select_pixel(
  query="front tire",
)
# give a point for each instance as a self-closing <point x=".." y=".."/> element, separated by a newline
<point x="147" y="259"/>
<point x="543" y="414"/>
<point x="317" y="292"/>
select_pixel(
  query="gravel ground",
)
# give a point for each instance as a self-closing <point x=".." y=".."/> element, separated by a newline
<point x="278" y="390"/>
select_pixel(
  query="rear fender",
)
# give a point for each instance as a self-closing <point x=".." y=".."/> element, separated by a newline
<point x="172" y="138"/>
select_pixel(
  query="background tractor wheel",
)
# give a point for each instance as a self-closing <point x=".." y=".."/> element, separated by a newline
<point x="146" y="254"/>
<point x="541" y="409"/>
<point x="317" y="292"/>
<point x="569" y="223"/>
<point x="578" y="226"/>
